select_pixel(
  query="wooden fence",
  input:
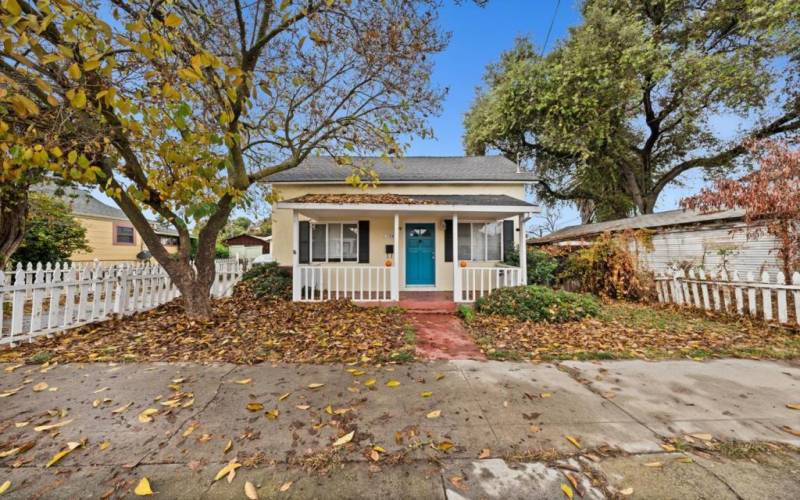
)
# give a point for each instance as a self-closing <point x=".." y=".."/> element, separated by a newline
<point x="46" y="299"/>
<point x="761" y="297"/>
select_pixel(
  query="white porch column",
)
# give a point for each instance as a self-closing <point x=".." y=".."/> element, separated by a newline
<point x="523" y="252"/>
<point x="456" y="268"/>
<point x="295" y="256"/>
<point x="396" y="263"/>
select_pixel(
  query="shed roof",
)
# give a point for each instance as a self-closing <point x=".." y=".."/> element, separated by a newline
<point x="324" y="169"/>
<point x="662" y="219"/>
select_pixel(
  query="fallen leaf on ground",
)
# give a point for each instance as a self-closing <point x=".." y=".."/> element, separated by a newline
<point x="345" y="439"/>
<point x="232" y="466"/>
<point x="392" y="383"/>
<point x="545" y="395"/>
<point x="244" y="381"/>
<point x="626" y="492"/>
<point x="254" y="406"/>
<point x="285" y="486"/>
<point x="143" y="488"/>
<point x="147" y="415"/>
<point x="370" y="382"/>
<point x="439" y="376"/>
<point x="303" y="407"/>
<point x="272" y="414"/>
<point x="11" y="368"/>
<point x="574" y="441"/>
<point x="534" y="429"/>
<point x="284" y="396"/>
<point x="42" y="428"/>
<point x="8" y="453"/>
<point x="40" y="387"/>
<point x="458" y="482"/>
<point x="668" y="448"/>
<point x="250" y="491"/>
<point x="315" y="386"/>
<point x="567" y="489"/>
<point x="434" y="414"/>
<point x="63" y="453"/>
<point x="11" y="392"/>
<point x="485" y="453"/>
<point x="104" y="445"/>
<point x="654" y="464"/>
<point x="443" y="446"/>
<point x="788" y="429"/>
<point x="100" y="390"/>
<point x="426" y="394"/>
<point x="122" y="409"/>
<point x="4" y="487"/>
<point x="228" y="446"/>
<point x="793" y="406"/>
<point x="702" y="436"/>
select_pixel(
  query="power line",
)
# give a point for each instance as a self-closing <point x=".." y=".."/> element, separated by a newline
<point x="550" y="29"/>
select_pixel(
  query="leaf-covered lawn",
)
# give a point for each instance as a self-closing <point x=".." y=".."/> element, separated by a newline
<point x="244" y="330"/>
<point x="625" y="330"/>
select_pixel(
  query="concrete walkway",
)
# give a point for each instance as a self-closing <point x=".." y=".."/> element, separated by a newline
<point x="455" y="429"/>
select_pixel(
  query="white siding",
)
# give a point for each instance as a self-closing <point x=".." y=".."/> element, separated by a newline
<point x="700" y="247"/>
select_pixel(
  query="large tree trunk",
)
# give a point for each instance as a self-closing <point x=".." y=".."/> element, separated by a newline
<point x="13" y="211"/>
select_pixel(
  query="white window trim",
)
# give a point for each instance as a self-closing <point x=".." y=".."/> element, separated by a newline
<point x="473" y="225"/>
<point x="311" y="259"/>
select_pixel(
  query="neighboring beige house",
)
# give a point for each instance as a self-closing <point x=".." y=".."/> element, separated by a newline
<point x="401" y="235"/>
<point x="109" y="233"/>
<point x="248" y="246"/>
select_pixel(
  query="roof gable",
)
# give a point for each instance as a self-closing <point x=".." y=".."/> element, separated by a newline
<point x="409" y="169"/>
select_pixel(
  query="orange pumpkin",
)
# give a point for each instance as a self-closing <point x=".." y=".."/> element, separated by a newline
<point x="387" y="263"/>
<point x="463" y="263"/>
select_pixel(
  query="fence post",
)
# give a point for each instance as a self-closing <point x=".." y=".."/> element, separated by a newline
<point x="55" y="298"/>
<point x="676" y="288"/>
<point x="70" y="280"/>
<point x="796" y="293"/>
<point x="659" y="288"/>
<point x="695" y="289"/>
<point x="96" y="290"/>
<point x="108" y="290"/>
<point x="726" y="290"/>
<point x="783" y="314"/>
<point x="83" y="293"/>
<point x="737" y="291"/>
<point x="766" y="296"/>
<point x="18" y="300"/>
<point x="37" y="297"/>
<point x="752" y="305"/>
<point x="715" y="292"/>
<point x="704" y="287"/>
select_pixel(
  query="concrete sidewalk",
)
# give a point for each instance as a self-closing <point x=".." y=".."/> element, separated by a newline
<point x="501" y="412"/>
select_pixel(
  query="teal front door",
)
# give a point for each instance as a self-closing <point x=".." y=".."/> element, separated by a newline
<point x="420" y="261"/>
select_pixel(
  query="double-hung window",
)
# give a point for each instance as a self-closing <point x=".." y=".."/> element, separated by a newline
<point x="334" y="242"/>
<point x="479" y="241"/>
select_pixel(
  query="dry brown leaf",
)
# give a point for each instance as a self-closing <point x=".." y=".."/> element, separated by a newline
<point x="793" y="406"/>
<point x="40" y="387"/>
<point x="250" y="491"/>
<point x="434" y="414"/>
<point x="285" y="486"/>
<point x="42" y="428"/>
<point x="485" y="453"/>
<point x="244" y="381"/>
<point x="344" y="439"/>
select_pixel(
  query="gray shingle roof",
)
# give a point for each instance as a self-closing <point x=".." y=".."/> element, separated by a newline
<point x="494" y="200"/>
<point x="410" y="169"/>
<point x="82" y="202"/>
<point x="661" y="219"/>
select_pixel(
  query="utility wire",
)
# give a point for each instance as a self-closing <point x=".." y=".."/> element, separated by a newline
<point x="550" y="29"/>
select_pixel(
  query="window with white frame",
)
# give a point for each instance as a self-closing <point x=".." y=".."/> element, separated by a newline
<point x="480" y="241"/>
<point x="334" y="242"/>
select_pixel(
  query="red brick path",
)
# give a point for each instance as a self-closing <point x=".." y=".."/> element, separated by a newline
<point x="442" y="336"/>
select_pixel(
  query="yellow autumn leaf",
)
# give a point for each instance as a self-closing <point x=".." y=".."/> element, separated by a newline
<point x="370" y="382"/>
<point x="345" y="439"/>
<point x="4" y="487"/>
<point x="147" y="415"/>
<point x="12" y="7"/>
<point x="574" y="441"/>
<point x="250" y="491"/>
<point x="232" y="466"/>
<point x="74" y="71"/>
<point x="285" y="486"/>
<point x="444" y="446"/>
<point x="79" y="100"/>
<point x="42" y="428"/>
<point x="172" y="20"/>
<point x="272" y="414"/>
<point x="567" y="489"/>
<point x="392" y="383"/>
<point x="244" y="381"/>
<point x="121" y="409"/>
<point x="284" y="396"/>
<point x="104" y="445"/>
<point x="63" y="453"/>
<point x="434" y="414"/>
<point x="426" y="394"/>
<point x="315" y="386"/>
<point x="254" y="406"/>
<point x="143" y="488"/>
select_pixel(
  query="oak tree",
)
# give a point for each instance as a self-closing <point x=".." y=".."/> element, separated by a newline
<point x="633" y="98"/>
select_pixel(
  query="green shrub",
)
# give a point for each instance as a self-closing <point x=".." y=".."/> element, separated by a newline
<point x="538" y="303"/>
<point x="542" y="266"/>
<point x="466" y="312"/>
<point x="269" y="280"/>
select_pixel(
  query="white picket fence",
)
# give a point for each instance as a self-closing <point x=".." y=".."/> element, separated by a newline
<point x="733" y="293"/>
<point x="41" y="300"/>
<point x="479" y="281"/>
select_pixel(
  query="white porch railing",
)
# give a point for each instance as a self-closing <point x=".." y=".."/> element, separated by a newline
<point x="479" y="281"/>
<point x="730" y="293"/>
<point x="46" y="299"/>
<point x="358" y="283"/>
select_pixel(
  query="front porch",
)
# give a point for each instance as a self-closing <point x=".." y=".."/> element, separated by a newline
<point x="368" y="249"/>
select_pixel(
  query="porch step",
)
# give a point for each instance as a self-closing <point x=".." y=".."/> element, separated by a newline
<point x="417" y="306"/>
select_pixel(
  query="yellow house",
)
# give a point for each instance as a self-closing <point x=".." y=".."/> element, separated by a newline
<point x="109" y="233"/>
<point x="401" y="236"/>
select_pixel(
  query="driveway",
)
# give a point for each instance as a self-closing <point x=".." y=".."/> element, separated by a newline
<point x="461" y="429"/>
